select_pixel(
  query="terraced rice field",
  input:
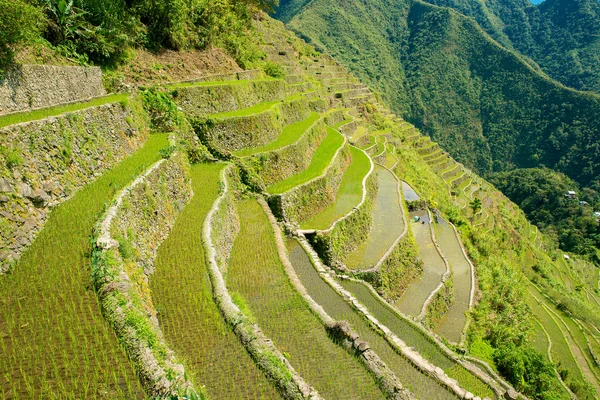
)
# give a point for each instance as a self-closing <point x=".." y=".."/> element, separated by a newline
<point x="539" y="340"/>
<point x="391" y="159"/>
<point x="239" y="82"/>
<point x="414" y="298"/>
<point x="413" y="337"/>
<point x="189" y="317"/>
<point x="54" y="341"/>
<point x="453" y="322"/>
<point x="560" y="347"/>
<point x="319" y="163"/>
<point x="423" y="386"/>
<point x="388" y="223"/>
<point x="256" y="275"/>
<point x="360" y="132"/>
<point x="257" y="109"/>
<point x="26" y="116"/>
<point x="409" y="193"/>
<point x="290" y="135"/>
<point x="349" y="194"/>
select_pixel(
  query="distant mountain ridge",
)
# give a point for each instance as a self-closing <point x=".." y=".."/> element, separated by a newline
<point x="492" y="108"/>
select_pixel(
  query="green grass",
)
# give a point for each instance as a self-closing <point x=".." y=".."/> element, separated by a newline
<point x="289" y="135"/>
<point x="342" y="123"/>
<point x="257" y="109"/>
<point x="391" y="158"/>
<point x="27" y="116"/>
<point x="372" y="141"/>
<point x="349" y="193"/>
<point x="189" y="317"/>
<point x="320" y="161"/>
<point x="420" y="384"/>
<point x="416" y="339"/>
<point x="360" y="132"/>
<point x="256" y="273"/>
<point x="54" y="342"/>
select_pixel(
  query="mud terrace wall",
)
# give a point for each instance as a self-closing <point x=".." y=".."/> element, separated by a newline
<point x="43" y="163"/>
<point x="268" y="358"/>
<point x="282" y="163"/>
<point x="351" y="230"/>
<point x="127" y="240"/>
<point x="305" y="201"/>
<point x="27" y="87"/>
<point x="241" y="132"/>
<point x="198" y="101"/>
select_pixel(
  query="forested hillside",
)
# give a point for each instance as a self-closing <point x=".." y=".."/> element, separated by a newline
<point x="483" y="102"/>
<point x="562" y="36"/>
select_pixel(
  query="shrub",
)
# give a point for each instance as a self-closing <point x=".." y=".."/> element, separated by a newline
<point x="19" y="24"/>
<point x="273" y="70"/>
<point x="163" y="112"/>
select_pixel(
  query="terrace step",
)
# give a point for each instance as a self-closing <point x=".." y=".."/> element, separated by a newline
<point x="388" y="224"/>
<point x="349" y="194"/>
<point x="51" y="280"/>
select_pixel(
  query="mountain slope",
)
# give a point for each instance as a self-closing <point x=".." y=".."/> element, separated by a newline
<point x="438" y="69"/>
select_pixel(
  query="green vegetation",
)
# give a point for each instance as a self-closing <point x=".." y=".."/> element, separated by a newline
<point x="413" y="337"/>
<point x="540" y="193"/>
<point x="319" y="163"/>
<point x="387" y="224"/>
<point x="482" y="102"/>
<point x="256" y="272"/>
<point x="188" y="316"/>
<point x="55" y="342"/>
<point x="349" y="194"/>
<point x="19" y="25"/>
<point x="334" y="305"/>
<point x="20" y="117"/>
<point x="289" y="135"/>
<point x="257" y="109"/>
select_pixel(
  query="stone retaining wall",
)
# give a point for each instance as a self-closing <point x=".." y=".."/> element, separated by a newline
<point x="307" y="200"/>
<point x="128" y="238"/>
<point x="237" y="133"/>
<point x="27" y="87"/>
<point x="43" y="163"/>
<point x="268" y="358"/>
<point x="277" y="165"/>
<point x="199" y="101"/>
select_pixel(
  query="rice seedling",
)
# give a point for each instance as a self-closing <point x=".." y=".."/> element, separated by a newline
<point x="388" y="223"/>
<point x="415" y="338"/>
<point x="189" y="317"/>
<point x="413" y="299"/>
<point x="47" y="306"/>
<point x="454" y="320"/>
<point x="26" y="116"/>
<point x="320" y="161"/>
<point x="422" y="385"/>
<point x="349" y="194"/>
<point x="289" y="135"/>
<point x="257" y="275"/>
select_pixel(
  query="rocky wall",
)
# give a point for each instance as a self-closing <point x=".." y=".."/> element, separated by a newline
<point x="43" y="163"/>
<point x="241" y="132"/>
<point x="199" y="101"/>
<point x="282" y="163"/>
<point x="127" y="240"/>
<point x="26" y="87"/>
<point x="307" y="200"/>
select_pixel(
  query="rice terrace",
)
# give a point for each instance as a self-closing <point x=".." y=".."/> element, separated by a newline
<point x="200" y="201"/>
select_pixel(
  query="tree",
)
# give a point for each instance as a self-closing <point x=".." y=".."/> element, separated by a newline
<point x="475" y="205"/>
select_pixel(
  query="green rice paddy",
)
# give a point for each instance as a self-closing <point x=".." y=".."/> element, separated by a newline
<point x="349" y="194"/>
<point x="423" y="386"/>
<point x="190" y="319"/>
<point x="256" y="273"/>
<point x="26" y="116"/>
<point x="414" y="298"/>
<point x="54" y="341"/>
<point x="321" y="159"/>
<point x="290" y="134"/>
<point x="388" y="223"/>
